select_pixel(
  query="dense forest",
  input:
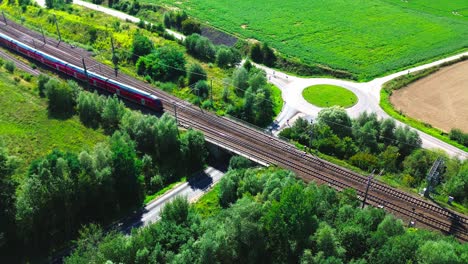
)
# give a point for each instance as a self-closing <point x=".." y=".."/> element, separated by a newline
<point x="370" y="143"/>
<point x="61" y="191"/>
<point x="270" y="217"/>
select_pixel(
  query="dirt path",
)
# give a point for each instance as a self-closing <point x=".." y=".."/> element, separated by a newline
<point x="440" y="99"/>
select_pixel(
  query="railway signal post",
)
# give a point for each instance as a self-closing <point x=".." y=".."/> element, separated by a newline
<point x="43" y="36"/>
<point x="4" y="18"/>
<point x="114" y="57"/>
<point x="85" y="71"/>
<point x="58" y="31"/>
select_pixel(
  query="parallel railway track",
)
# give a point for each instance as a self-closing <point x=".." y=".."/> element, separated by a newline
<point x="262" y="146"/>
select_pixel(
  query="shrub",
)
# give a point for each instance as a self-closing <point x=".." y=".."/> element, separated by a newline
<point x="458" y="135"/>
<point x="10" y="66"/>
<point x="196" y="73"/>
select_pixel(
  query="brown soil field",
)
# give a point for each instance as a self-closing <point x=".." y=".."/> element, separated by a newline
<point x="440" y="99"/>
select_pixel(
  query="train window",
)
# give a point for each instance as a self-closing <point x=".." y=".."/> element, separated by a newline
<point x="143" y="101"/>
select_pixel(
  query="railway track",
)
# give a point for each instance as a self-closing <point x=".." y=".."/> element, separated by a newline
<point x="262" y="146"/>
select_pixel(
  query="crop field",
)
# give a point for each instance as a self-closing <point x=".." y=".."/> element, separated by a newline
<point x="441" y="99"/>
<point x="367" y="38"/>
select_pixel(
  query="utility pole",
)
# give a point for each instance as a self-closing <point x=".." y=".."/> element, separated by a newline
<point x="369" y="181"/>
<point x="43" y="36"/>
<point x="114" y="57"/>
<point x="176" y="119"/>
<point x="85" y="71"/>
<point x="4" y="18"/>
<point x="58" y="31"/>
<point x="211" y="91"/>
<point x="433" y="177"/>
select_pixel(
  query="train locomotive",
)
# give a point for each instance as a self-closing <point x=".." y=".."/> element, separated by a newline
<point x="107" y="84"/>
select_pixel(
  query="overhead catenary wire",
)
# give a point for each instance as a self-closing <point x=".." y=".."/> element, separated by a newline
<point x="221" y="81"/>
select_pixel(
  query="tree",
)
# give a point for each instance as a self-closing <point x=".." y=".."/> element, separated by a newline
<point x="112" y="113"/>
<point x="190" y="26"/>
<point x="41" y="81"/>
<point x="290" y="222"/>
<point x="141" y="46"/>
<point x="125" y="171"/>
<point x="418" y="164"/>
<point x="239" y="162"/>
<point x="365" y="161"/>
<point x="200" y="47"/>
<point x="201" y="89"/>
<point x="337" y="119"/>
<point x="441" y="252"/>
<point x="60" y="97"/>
<point x="89" y="106"/>
<point x="263" y="107"/>
<point x="257" y="80"/>
<point x="457" y="185"/>
<point x="240" y="80"/>
<point x="408" y="140"/>
<point x="176" y="211"/>
<point x="7" y="196"/>
<point x="224" y="57"/>
<point x="164" y="64"/>
<point x="194" y="150"/>
<point x="256" y="53"/>
<point x="196" y="73"/>
<point x="269" y="57"/>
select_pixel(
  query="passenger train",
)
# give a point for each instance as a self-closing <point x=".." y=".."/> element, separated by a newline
<point x="107" y="84"/>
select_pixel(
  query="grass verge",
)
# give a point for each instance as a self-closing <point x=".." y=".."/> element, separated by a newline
<point x="152" y="197"/>
<point x="208" y="204"/>
<point x="27" y="129"/>
<point x="325" y="95"/>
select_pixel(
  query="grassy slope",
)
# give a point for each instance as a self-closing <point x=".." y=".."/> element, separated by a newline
<point x="75" y="28"/>
<point x="28" y="131"/>
<point x="368" y="38"/>
<point x="208" y="204"/>
<point x="325" y="95"/>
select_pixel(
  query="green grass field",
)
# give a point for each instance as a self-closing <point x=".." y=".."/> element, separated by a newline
<point x="28" y="131"/>
<point x="325" y="95"/>
<point x="367" y="38"/>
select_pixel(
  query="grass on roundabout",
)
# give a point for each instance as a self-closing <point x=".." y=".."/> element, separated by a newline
<point x="324" y="95"/>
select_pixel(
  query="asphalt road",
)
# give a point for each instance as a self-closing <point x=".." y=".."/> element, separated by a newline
<point x="192" y="190"/>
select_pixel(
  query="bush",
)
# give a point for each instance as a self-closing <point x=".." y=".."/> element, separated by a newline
<point x="196" y="73"/>
<point x="190" y="26"/>
<point x="201" y="89"/>
<point x="10" y="66"/>
<point x="60" y="97"/>
<point x="458" y="135"/>
<point x="41" y="81"/>
<point x="200" y="47"/>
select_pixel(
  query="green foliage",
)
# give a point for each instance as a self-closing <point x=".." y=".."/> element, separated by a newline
<point x="8" y="165"/>
<point x="174" y="19"/>
<point x="41" y="81"/>
<point x="227" y="57"/>
<point x="272" y="218"/>
<point x="190" y="26"/>
<point x="201" y="89"/>
<point x="337" y="119"/>
<point x="193" y="150"/>
<point x="430" y="26"/>
<point x="458" y="136"/>
<point x="200" y="47"/>
<point x="112" y="112"/>
<point x="61" y="98"/>
<point x="164" y="64"/>
<point x="256" y="53"/>
<point x="240" y="79"/>
<point x="239" y="162"/>
<point x="89" y="108"/>
<point x="196" y="73"/>
<point x="141" y="46"/>
<point x="10" y="66"/>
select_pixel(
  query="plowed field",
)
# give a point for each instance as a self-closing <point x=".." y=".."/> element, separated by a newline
<point x="440" y="99"/>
